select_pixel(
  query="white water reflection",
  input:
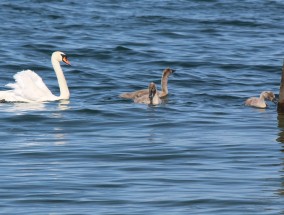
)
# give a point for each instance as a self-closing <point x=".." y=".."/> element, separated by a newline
<point x="22" y="107"/>
<point x="64" y="104"/>
<point x="59" y="136"/>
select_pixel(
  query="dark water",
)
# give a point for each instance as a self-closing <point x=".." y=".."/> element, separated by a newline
<point x="201" y="152"/>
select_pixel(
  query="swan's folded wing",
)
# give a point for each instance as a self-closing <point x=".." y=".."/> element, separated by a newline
<point x="30" y="86"/>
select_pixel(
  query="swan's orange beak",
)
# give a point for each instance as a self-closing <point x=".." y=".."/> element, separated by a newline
<point x="65" y="60"/>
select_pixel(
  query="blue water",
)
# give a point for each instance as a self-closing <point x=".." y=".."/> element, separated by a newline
<point x="200" y="152"/>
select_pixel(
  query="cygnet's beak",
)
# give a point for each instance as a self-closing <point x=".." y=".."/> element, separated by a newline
<point x="151" y="95"/>
<point x="275" y="100"/>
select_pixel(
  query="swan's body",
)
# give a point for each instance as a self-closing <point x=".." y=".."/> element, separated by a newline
<point x="260" y="102"/>
<point x="164" y="84"/>
<point x="152" y="98"/>
<point x="29" y="87"/>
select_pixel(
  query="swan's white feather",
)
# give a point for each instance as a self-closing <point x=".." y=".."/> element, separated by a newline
<point x="28" y="87"/>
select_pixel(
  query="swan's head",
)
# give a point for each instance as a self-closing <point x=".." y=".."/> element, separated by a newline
<point x="269" y="96"/>
<point x="60" y="57"/>
<point x="152" y="91"/>
<point x="167" y="72"/>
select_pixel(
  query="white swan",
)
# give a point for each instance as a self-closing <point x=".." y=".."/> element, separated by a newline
<point x="260" y="102"/>
<point x="164" y="84"/>
<point x="152" y="98"/>
<point x="29" y="87"/>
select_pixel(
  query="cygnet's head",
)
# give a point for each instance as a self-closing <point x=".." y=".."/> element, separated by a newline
<point x="269" y="96"/>
<point x="152" y="91"/>
<point x="168" y="71"/>
<point x="60" y="57"/>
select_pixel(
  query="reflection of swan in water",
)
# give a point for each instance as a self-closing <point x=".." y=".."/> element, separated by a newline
<point x="164" y="84"/>
<point x="29" y="87"/>
<point x="63" y="105"/>
<point x="152" y="98"/>
<point x="22" y="107"/>
<point x="260" y="102"/>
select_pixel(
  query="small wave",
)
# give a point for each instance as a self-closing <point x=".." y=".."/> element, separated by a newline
<point x="122" y="48"/>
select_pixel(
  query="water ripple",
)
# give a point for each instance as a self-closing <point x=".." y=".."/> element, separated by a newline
<point x="201" y="151"/>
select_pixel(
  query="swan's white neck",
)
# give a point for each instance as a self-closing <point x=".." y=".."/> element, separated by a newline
<point x="64" y="91"/>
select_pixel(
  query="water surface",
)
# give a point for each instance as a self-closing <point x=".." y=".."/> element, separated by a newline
<point x="201" y="152"/>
